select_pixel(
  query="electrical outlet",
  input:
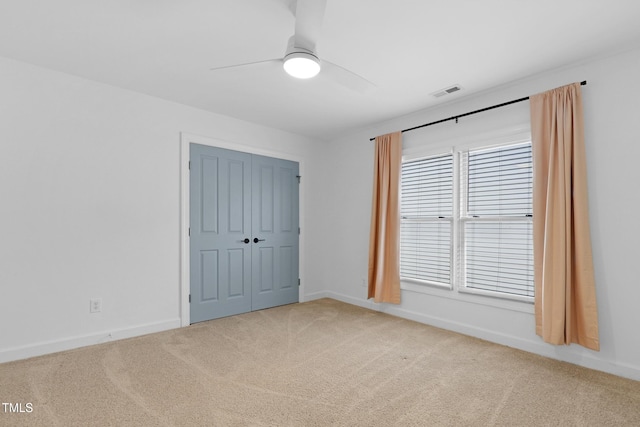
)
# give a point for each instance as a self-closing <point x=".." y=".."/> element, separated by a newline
<point x="95" y="305"/>
<point x="363" y="282"/>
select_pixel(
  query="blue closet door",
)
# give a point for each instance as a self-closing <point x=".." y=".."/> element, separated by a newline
<point x="243" y="232"/>
<point x="220" y="223"/>
<point x="275" y="232"/>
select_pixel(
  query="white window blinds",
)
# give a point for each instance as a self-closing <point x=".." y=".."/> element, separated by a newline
<point x="426" y="228"/>
<point x="496" y="213"/>
<point x="500" y="181"/>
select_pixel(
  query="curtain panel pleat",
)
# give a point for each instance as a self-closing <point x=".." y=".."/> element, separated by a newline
<point x="384" y="239"/>
<point x="565" y="296"/>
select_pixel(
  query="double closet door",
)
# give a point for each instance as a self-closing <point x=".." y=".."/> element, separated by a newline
<point x="243" y="232"/>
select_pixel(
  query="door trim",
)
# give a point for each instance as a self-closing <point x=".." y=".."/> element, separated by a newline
<point x="185" y="140"/>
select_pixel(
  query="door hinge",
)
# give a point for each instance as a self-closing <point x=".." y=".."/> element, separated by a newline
<point x="189" y="297"/>
<point x="298" y="281"/>
<point x="298" y="176"/>
<point x="298" y="230"/>
<point x="189" y="231"/>
<point x="189" y="164"/>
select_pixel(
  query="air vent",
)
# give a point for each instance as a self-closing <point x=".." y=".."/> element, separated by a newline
<point x="446" y="91"/>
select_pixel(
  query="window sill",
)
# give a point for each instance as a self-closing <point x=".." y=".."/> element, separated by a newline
<point x="468" y="297"/>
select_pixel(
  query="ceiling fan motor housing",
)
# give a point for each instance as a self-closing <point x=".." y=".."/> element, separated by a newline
<point x="300" y="62"/>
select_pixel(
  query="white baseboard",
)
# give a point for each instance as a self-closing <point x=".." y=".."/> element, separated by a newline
<point x="314" y="296"/>
<point x="344" y="298"/>
<point x="55" y="346"/>
<point x="565" y="354"/>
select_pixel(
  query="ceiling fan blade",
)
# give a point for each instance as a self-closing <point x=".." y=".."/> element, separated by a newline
<point x="346" y="78"/>
<point x="309" y="16"/>
<point x="246" y="64"/>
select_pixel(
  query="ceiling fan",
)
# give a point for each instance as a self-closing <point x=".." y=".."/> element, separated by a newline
<point x="301" y="59"/>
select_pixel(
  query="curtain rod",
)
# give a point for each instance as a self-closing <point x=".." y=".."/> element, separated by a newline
<point x="504" y="104"/>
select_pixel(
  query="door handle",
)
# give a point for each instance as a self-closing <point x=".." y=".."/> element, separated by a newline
<point x="246" y="240"/>
<point x="256" y="240"/>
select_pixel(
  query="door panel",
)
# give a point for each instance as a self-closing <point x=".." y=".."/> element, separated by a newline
<point x="266" y="272"/>
<point x="209" y="194"/>
<point x="209" y="283"/>
<point x="286" y="264"/>
<point x="220" y="219"/>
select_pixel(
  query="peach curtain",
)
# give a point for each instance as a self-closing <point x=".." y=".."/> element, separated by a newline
<point x="384" y="239"/>
<point x="565" y="296"/>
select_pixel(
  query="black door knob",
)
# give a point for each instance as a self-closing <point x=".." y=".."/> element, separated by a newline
<point x="256" y="240"/>
<point x="246" y="240"/>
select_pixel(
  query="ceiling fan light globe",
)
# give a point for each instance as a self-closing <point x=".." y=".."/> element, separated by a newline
<point x="301" y="65"/>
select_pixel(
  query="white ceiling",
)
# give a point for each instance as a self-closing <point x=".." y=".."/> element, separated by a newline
<point x="408" y="48"/>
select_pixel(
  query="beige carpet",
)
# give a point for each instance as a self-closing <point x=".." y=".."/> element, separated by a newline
<point x="313" y="364"/>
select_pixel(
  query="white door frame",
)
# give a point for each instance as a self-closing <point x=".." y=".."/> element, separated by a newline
<point x="185" y="140"/>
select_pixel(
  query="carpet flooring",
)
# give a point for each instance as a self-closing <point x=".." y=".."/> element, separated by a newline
<point x="320" y="363"/>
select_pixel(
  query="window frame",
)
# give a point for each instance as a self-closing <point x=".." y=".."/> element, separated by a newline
<point x="458" y="290"/>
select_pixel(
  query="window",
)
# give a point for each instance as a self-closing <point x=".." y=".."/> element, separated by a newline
<point x="496" y="213"/>
<point x="426" y="209"/>
<point x="489" y="212"/>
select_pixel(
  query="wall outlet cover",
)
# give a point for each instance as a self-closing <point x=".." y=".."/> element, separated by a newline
<point x="95" y="305"/>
